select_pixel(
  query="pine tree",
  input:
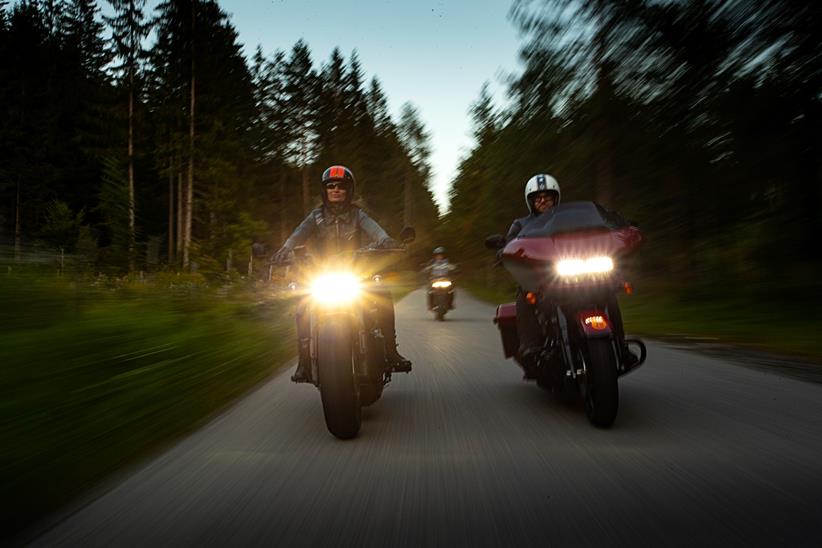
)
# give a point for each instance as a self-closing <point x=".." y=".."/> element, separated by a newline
<point x="415" y="141"/>
<point x="301" y="91"/>
<point x="128" y="31"/>
<point x="378" y="108"/>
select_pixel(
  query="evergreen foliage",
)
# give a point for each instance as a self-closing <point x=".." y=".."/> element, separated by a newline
<point x="264" y="130"/>
<point x="693" y="118"/>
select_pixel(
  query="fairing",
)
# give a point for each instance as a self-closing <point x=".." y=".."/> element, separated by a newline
<point x="574" y="230"/>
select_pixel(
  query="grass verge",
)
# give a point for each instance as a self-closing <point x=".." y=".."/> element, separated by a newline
<point x="94" y="378"/>
<point x="753" y="323"/>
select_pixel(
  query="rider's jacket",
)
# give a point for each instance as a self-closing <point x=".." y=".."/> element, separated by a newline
<point x="332" y="230"/>
<point x="439" y="269"/>
<point x="518" y="225"/>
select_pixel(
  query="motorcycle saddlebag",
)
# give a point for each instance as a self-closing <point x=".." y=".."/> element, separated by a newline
<point x="506" y="320"/>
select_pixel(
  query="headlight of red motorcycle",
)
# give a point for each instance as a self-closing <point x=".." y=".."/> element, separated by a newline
<point x="568" y="268"/>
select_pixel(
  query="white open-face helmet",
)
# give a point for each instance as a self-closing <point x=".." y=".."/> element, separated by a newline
<point x="540" y="183"/>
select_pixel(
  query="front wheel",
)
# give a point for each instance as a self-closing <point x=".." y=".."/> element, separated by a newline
<point x="338" y="386"/>
<point x="601" y="391"/>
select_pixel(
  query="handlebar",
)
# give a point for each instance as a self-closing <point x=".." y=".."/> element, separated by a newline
<point x="363" y="251"/>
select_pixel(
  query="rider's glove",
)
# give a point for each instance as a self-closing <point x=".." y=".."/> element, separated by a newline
<point x="498" y="262"/>
<point x="283" y="257"/>
<point x="390" y="243"/>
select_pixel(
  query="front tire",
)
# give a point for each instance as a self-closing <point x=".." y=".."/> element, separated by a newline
<point x="338" y="386"/>
<point x="601" y="391"/>
<point x="371" y="386"/>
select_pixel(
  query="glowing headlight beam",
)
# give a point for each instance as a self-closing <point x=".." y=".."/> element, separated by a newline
<point x="441" y="284"/>
<point x="335" y="288"/>
<point x="591" y="265"/>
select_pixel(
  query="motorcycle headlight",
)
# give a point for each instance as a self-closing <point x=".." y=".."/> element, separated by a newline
<point x="335" y="288"/>
<point x="578" y="267"/>
<point x="441" y="284"/>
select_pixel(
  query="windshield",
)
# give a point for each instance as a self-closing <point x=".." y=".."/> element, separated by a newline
<point x="572" y="217"/>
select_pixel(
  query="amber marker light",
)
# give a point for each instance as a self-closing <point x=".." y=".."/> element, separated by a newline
<point x="596" y="322"/>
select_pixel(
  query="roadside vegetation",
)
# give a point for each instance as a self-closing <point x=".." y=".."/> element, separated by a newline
<point x="699" y="121"/>
<point x="763" y="323"/>
<point x="96" y="373"/>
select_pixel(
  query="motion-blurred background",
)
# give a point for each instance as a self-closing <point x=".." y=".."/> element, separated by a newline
<point x="148" y="167"/>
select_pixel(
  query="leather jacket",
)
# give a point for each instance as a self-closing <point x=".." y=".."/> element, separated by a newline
<point x="518" y="225"/>
<point x="332" y="230"/>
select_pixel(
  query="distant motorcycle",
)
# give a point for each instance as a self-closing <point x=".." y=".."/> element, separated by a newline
<point x="567" y="263"/>
<point x="348" y="362"/>
<point x="440" y="297"/>
<point x="440" y="294"/>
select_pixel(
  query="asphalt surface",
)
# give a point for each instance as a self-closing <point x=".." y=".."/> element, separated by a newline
<point x="463" y="452"/>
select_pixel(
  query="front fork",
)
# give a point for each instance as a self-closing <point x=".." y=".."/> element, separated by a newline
<point x="592" y="323"/>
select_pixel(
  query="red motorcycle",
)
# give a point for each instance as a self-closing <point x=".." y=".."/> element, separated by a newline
<point x="567" y="263"/>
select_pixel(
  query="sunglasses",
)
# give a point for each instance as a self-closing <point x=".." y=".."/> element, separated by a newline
<point x="545" y="197"/>
<point x="335" y="186"/>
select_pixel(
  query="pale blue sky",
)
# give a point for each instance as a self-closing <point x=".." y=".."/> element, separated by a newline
<point x="434" y="53"/>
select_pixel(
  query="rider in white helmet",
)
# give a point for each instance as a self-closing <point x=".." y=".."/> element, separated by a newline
<point x="439" y="267"/>
<point x="541" y="194"/>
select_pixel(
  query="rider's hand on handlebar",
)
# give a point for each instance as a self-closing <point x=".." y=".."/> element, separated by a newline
<point x="389" y="243"/>
<point x="283" y="257"/>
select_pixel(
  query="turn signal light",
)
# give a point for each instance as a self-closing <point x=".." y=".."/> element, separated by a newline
<point x="596" y="322"/>
<point x="531" y="298"/>
<point x="629" y="289"/>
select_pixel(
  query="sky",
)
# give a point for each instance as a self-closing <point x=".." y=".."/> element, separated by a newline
<point x="433" y="53"/>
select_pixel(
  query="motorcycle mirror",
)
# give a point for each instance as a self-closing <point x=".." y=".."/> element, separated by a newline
<point x="495" y="241"/>
<point x="408" y="234"/>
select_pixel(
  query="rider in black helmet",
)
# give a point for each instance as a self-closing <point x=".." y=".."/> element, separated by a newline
<point x="338" y="225"/>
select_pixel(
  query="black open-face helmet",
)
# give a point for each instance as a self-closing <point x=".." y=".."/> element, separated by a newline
<point x="340" y="175"/>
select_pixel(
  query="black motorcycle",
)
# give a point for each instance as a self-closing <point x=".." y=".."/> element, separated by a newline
<point x="348" y="362"/>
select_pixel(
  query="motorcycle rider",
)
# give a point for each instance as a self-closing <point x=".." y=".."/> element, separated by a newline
<point x="339" y="225"/>
<point x="542" y="193"/>
<point x="439" y="267"/>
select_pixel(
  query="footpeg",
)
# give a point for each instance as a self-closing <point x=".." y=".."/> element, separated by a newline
<point x="400" y="367"/>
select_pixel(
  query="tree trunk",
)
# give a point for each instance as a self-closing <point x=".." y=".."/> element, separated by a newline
<point x="283" y="209"/>
<point x="131" y="235"/>
<point x="408" y="200"/>
<point x="170" y="211"/>
<point x="190" y="186"/>
<point x="180" y="216"/>
<point x="17" y="228"/>
<point x="306" y="191"/>
<point x="603" y="190"/>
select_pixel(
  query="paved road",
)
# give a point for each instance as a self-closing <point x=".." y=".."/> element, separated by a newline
<point x="463" y="452"/>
